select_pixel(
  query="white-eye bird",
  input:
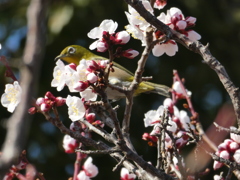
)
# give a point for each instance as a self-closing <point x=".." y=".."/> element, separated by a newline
<point x="120" y="77"/>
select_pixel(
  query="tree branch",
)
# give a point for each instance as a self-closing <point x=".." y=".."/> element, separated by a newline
<point x="19" y="122"/>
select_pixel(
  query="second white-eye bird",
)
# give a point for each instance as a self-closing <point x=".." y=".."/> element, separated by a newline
<point x="121" y="77"/>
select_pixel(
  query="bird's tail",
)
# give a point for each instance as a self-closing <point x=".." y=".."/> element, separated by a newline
<point x="156" y="88"/>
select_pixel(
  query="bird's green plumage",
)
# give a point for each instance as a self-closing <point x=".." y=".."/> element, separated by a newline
<point x="120" y="77"/>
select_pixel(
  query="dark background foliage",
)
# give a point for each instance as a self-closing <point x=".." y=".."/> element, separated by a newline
<point x="218" y="22"/>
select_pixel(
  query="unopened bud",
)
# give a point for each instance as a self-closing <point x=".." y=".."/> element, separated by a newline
<point x="103" y="63"/>
<point x="39" y="101"/>
<point x="122" y="37"/>
<point x="45" y="107"/>
<point x="101" y="46"/>
<point x="92" y="78"/>
<point x="217" y="165"/>
<point x="32" y="110"/>
<point x="50" y="96"/>
<point x="92" y="65"/>
<point x="59" y="101"/>
<point x="81" y="86"/>
<point x="130" y="53"/>
<point x="73" y="66"/>
<point x="90" y="117"/>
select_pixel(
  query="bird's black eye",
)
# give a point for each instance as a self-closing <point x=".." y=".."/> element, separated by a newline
<point x="71" y="50"/>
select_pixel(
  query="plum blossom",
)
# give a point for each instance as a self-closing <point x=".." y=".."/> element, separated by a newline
<point x="235" y="137"/>
<point x="130" y="53"/>
<point x="170" y="48"/>
<point x="126" y="175"/>
<point x="48" y="102"/>
<point x="179" y="90"/>
<point x="90" y="169"/>
<point x="76" y="78"/>
<point x="12" y="96"/>
<point x="82" y="176"/>
<point x="137" y="24"/>
<point x="217" y="177"/>
<point x="88" y="95"/>
<point x="153" y="116"/>
<point x="76" y="109"/>
<point x="176" y="20"/>
<point x="105" y="35"/>
<point x="229" y="149"/>
<point x="182" y="119"/>
<point x="159" y="4"/>
<point x="69" y="144"/>
<point x="59" y="75"/>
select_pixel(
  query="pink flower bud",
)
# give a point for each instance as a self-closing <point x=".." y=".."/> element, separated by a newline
<point x="222" y="146"/>
<point x="181" y="25"/>
<point x="169" y="104"/>
<point x="92" y="65"/>
<point x="217" y="165"/>
<point x="156" y="130"/>
<point x="227" y="141"/>
<point x="32" y="110"/>
<point x="190" y="20"/>
<point x="130" y="53"/>
<point x="102" y="46"/>
<point x="60" y="101"/>
<point x="45" y="107"/>
<point x="98" y="123"/>
<point x="236" y="156"/>
<point x="177" y="121"/>
<point x="73" y="66"/>
<point x="39" y="101"/>
<point x="233" y="146"/>
<point x="69" y="144"/>
<point x="145" y="136"/>
<point x="122" y="37"/>
<point x="50" y="96"/>
<point x="92" y="78"/>
<point x="235" y="137"/>
<point x="103" y="63"/>
<point x="81" y="86"/>
<point x="90" y="117"/>
<point x="90" y="169"/>
<point x="224" y="154"/>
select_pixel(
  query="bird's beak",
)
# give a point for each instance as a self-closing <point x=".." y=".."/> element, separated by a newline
<point x="59" y="57"/>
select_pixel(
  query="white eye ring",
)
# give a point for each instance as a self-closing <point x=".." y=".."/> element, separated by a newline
<point x="71" y="50"/>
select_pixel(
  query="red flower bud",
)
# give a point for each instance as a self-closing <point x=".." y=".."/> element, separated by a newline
<point x="32" y="110"/>
<point x="59" y="101"/>
<point x="50" y="96"/>
<point x="81" y="86"/>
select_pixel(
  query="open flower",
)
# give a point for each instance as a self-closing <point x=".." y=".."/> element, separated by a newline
<point x="12" y="96"/>
<point x="107" y="25"/>
<point x="69" y="144"/>
<point x="125" y="175"/>
<point x="76" y="109"/>
<point x="90" y="169"/>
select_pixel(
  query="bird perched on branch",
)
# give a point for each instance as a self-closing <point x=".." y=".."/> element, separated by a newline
<point x="120" y="77"/>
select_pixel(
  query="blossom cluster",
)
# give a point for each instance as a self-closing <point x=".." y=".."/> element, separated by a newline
<point x="229" y="150"/>
<point x="178" y="122"/>
<point x="107" y="37"/>
<point x="15" y="169"/>
<point x="47" y="102"/>
<point x="174" y="19"/>
<point x="78" y="78"/>
<point x="126" y="175"/>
